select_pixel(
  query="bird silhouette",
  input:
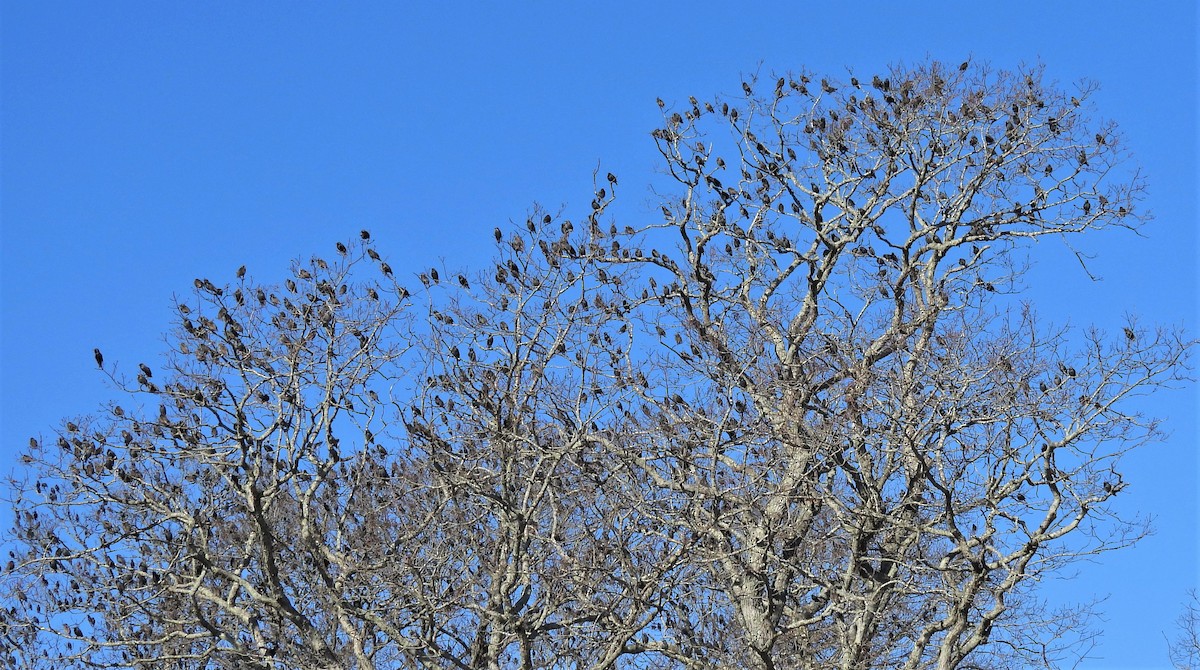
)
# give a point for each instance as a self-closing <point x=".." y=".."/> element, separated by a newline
<point x="99" y="358"/>
<point x="365" y="235"/>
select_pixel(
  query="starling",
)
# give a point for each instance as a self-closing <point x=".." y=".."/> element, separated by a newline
<point x="341" y="248"/>
<point x="612" y="179"/>
<point x="433" y="274"/>
<point x="365" y="235"/>
<point x="496" y="234"/>
<point x="963" y="66"/>
<point x="99" y="358"/>
<point x="1129" y="334"/>
<point x="241" y="272"/>
<point x="145" y="369"/>
<point x="546" y="219"/>
<point x="387" y="269"/>
<point x="373" y="254"/>
<point x="462" y="281"/>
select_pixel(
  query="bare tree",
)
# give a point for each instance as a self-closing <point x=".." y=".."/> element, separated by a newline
<point x="796" y="422"/>
<point x="1185" y="646"/>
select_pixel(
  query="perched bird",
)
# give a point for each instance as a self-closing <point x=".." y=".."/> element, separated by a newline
<point x="365" y="235"/>
<point x="99" y="358"/>
<point x="433" y="274"/>
<point x="612" y="179"/>
<point x="1129" y="334"/>
<point x="963" y="66"/>
<point x="462" y="281"/>
<point x="387" y="269"/>
<point x="241" y="272"/>
<point x="496" y="234"/>
<point x="145" y="369"/>
<point x="373" y="254"/>
<point x="341" y="248"/>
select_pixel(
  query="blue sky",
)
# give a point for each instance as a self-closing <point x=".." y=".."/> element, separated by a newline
<point x="146" y="144"/>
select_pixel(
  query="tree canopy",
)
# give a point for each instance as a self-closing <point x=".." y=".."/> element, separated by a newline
<point x="798" y="419"/>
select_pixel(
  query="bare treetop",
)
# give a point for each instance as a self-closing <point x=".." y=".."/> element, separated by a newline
<point x="794" y="422"/>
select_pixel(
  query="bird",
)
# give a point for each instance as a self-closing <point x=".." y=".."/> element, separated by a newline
<point x="241" y="272"/>
<point x="462" y="281"/>
<point x="341" y="248"/>
<point x="433" y="274"/>
<point x="373" y="254"/>
<point x="963" y="66"/>
<point x="364" y="234"/>
<point x="496" y="233"/>
<point x="612" y="179"/>
<point x="145" y="369"/>
<point x="99" y="358"/>
<point x="387" y="269"/>
<point x="1129" y="334"/>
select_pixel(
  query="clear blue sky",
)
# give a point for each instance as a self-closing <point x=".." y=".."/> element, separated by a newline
<point x="146" y="144"/>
